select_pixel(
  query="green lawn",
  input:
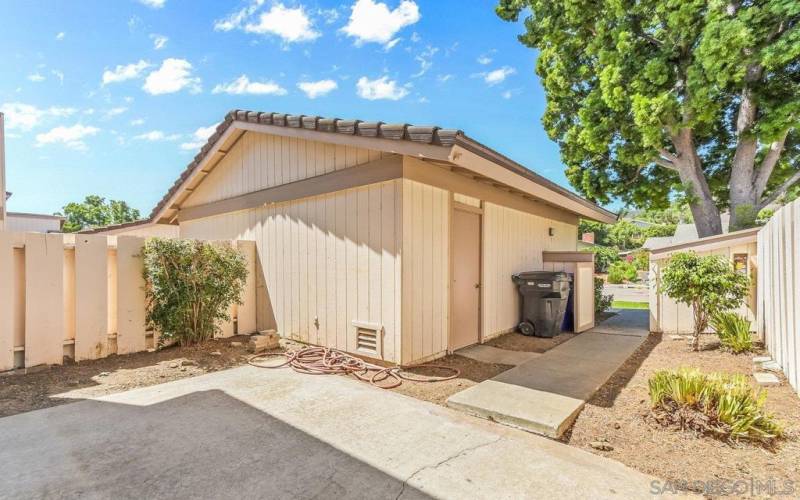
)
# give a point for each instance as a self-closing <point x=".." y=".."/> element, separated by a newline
<point x="624" y="304"/>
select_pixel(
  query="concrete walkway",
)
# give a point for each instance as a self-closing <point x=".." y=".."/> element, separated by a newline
<point x="546" y="394"/>
<point x="258" y="433"/>
<point x="488" y="354"/>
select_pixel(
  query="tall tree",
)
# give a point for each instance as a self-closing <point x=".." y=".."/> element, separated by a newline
<point x="95" y="211"/>
<point x="647" y="98"/>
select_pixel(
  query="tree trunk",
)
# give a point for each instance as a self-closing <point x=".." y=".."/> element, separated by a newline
<point x="690" y="171"/>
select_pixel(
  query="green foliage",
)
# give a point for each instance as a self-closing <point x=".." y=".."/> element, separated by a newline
<point x="733" y="330"/>
<point x="675" y="213"/>
<point x="708" y="284"/>
<point x="190" y="286"/>
<point x="601" y="302"/>
<point x="95" y="211"/>
<point x="722" y="405"/>
<point x="641" y="260"/>
<point x="599" y="229"/>
<point x="603" y="257"/>
<point x="746" y="216"/>
<point x="625" y="80"/>
<point x="625" y="235"/>
<point x="621" y="272"/>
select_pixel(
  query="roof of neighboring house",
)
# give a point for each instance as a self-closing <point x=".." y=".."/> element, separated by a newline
<point x="683" y="233"/>
<point x="708" y="243"/>
<point x="424" y="137"/>
<point x="37" y="216"/>
<point x="113" y="227"/>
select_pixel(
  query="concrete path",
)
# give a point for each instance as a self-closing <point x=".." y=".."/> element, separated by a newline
<point x="546" y="394"/>
<point x="489" y="354"/>
<point x="258" y="433"/>
<point x="627" y="293"/>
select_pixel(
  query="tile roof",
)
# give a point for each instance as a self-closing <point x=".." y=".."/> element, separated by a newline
<point x="401" y="131"/>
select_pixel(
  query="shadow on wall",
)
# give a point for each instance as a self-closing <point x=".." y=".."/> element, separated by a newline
<point x="201" y="445"/>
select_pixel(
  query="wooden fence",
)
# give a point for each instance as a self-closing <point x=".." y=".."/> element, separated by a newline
<point x="778" y="306"/>
<point x="82" y="297"/>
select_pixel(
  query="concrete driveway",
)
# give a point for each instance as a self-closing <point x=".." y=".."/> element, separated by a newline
<point x="258" y="433"/>
<point x="627" y="293"/>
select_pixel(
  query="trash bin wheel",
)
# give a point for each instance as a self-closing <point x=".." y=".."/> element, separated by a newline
<point x="526" y="328"/>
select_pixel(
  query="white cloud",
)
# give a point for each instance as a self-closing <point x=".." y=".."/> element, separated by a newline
<point x="199" y="138"/>
<point x="153" y="4"/>
<point x="36" y="77"/>
<point x="137" y="122"/>
<point x="318" y="88"/>
<point x="425" y="60"/>
<point x="291" y="24"/>
<point x="372" y="21"/>
<point x="445" y="78"/>
<point x="115" y="111"/>
<point x="159" y="41"/>
<point x="380" y="88"/>
<point x="72" y="137"/>
<point x="173" y="75"/>
<point x="156" y="136"/>
<point x="329" y="15"/>
<point x="24" y="117"/>
<point x="60" y="36"/>
<point x="125" y="72"/>
<point x="496" y="76"/>
<point x="59" y="75"/>
<point x="484" y="60"/>
<point x="243" y="85"/>
<point x="237" y="19"/>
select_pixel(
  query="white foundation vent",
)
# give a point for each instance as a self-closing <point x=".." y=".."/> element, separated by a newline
<point x="369" y="338"/>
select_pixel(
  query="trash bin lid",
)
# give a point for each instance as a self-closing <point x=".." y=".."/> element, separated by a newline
<point x="543" y="276"/>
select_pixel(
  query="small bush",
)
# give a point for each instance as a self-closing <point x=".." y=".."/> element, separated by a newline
<point x="190" y="286"/>
<point x="603" y="257"/>
<point x="620" y="272"/>
<point x="601" y="302"/>
<point x="733" y="331"/>
<point x="707" y="284"/>
<point x="725" y="406"/>
<point x="641" y="260"/>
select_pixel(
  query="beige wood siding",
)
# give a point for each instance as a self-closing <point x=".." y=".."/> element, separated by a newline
<point x="426" y="271"/>
<point x="513" y="242"/>
<point x="326" y="261"/>
<point x="260" y="161"/>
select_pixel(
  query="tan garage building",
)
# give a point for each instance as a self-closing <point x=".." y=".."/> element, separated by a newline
<point x="395" y="242"/>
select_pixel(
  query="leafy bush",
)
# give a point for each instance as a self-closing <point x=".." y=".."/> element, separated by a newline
<point x="722" y="405"/>
<point x="733" y="330"/>
<point x="641" y="260"/>
<point x="621" y="271"/>
<point x="603" y="257"/>
<point x="601" y="302"/>
<point x="706" y="283"/>
<point x="190" y="286"/>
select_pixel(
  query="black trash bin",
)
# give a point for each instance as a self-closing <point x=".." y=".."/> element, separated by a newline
<point x="544" y="301"/>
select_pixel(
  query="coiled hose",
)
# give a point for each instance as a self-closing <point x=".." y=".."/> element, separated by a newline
<point x="326" y="361"/>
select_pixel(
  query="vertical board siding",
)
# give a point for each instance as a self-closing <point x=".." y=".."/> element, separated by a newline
<point x="778" y="297"/>
<point x="7" y="294"/>
<point x="91" y="297"/>
<point x="426" y="271"/>
<point x="326" y="261"/>
<point x="44" y="287"/>
<point x="670" y="317"/>
<point x="513" y="242"/>
<point x="260" y="161"/>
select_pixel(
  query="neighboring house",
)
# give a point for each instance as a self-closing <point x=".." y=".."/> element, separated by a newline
<point x="34" y="223"/>
<point x="683" y="233"/>
<point x="395" y="242"/>
<point x="3" y="193"/>
<point x="144" y="227"/>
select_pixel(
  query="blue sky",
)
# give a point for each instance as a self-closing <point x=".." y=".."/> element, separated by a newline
<point x="115" y="97"/>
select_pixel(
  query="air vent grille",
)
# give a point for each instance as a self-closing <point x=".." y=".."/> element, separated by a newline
<point x="367" y="339"/>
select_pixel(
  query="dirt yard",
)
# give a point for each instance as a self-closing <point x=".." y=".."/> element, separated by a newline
<point x="517" y="342"/>
<point x="32" y="391"/>
<point x="618" y="415"/>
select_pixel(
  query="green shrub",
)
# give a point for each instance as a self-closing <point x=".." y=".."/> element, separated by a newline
<point x="641" y="260"/>
<point x="725" y="406"/>
<point x="706" y="284"/>
<point x="733" y="330"/>
<point x="603" y="257"/>
<point x="620" y="272"/>
<point x="601" y="302"/>
<point x="190" y="286"/>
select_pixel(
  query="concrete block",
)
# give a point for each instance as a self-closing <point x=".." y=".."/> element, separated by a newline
<point x="264" y="341"/>
<point x="765" y="379"/>
<point x="771" y="366"/>
<point x="761" y="359"/>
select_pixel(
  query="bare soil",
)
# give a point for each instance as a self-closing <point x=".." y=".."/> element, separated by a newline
<point x="472" y="373"/>
<point x="20" y="393"/>
<point x="619" y="415"/>
<point x="516" y="341"/>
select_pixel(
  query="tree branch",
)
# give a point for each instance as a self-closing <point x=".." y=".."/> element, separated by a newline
<point x="661" y="162"/>
<point x="780" y="190"/>
<point x="767" y="166"/>
<point x="667" y="155"/>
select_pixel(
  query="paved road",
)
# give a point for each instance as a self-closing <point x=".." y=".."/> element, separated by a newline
<point x="257" y="433"/>
<point x="621" y="292"/>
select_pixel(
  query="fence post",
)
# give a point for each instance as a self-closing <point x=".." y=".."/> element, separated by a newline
<point x="130" y="296"/>
<point x="44" y="307"/>
<point x="247" y="311"/>
<point x="7" y="291"/>
<point x="91" y="296"/>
